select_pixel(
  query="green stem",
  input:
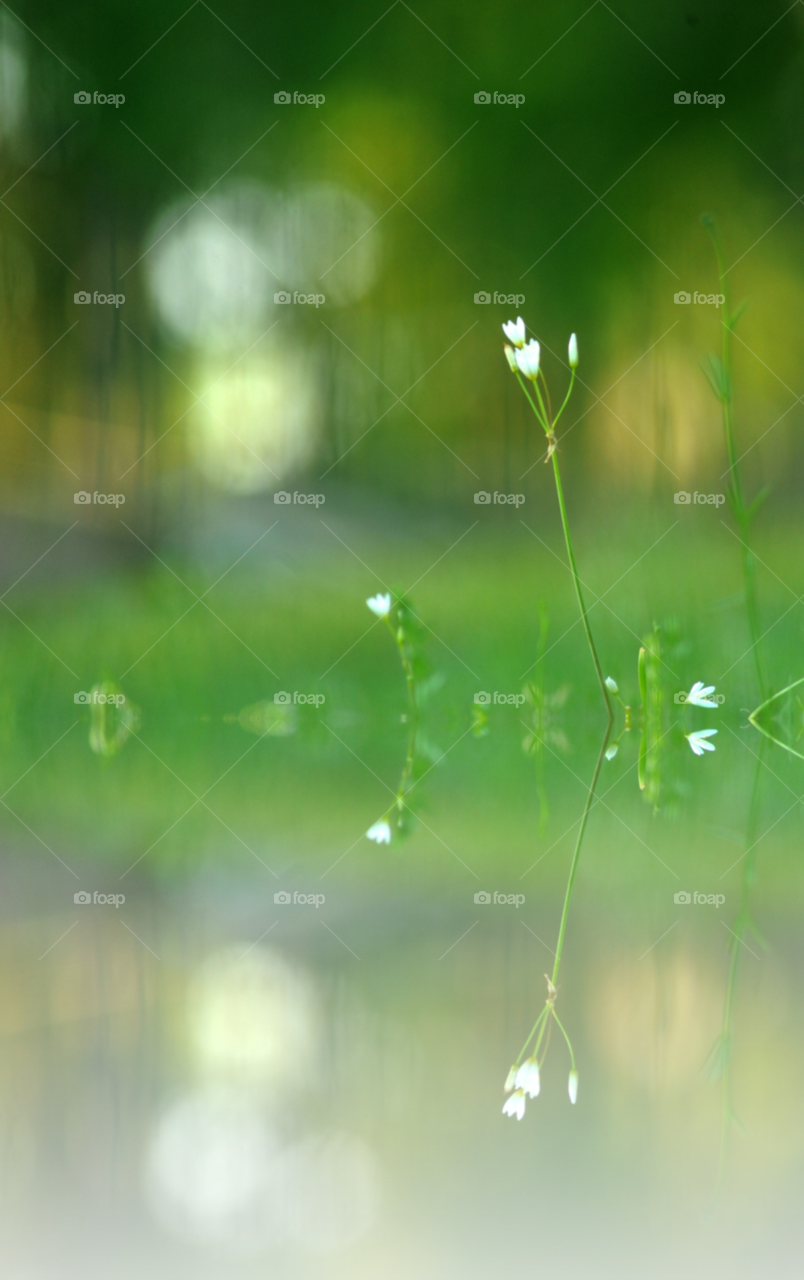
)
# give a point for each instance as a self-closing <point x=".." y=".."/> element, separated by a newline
<point x="576" y="856"/>
<point x="578" y="592"/>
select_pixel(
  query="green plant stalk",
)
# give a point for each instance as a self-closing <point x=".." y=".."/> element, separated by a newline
<point x="742" y="514"/>
<point x="576" y="855"/>
<point x="549" y="429"/>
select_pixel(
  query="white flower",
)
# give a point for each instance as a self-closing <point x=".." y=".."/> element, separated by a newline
<point x="611" y="685"/>
<point x="528" y="359"/>
<point x="380" y="832"/>
<point x="381" y="605"/>
<point x="515" y="1105"/>
<point x="515" y="331"/>
<point x="612" y="750"/>
<point x="510" y="356"/>
<point x="527" y="1078"/>
<point x="573" y="352"/>
<point x="572" y="1086"/>
<point x="698" y="696"/>
<point x="697" y="740"/>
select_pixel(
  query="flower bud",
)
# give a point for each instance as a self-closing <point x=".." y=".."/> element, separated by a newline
<point x="510" y="356"/>
<point x="611" y="685"/>
<point x="510" y="1080"/>
<point x="572" y="1086"/>
<point x="573" y="352"/>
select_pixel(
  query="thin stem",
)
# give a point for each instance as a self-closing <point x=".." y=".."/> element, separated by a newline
<point x="578" y="592"/>
<point x="566" y="1037"/>
<point x="531" y="1034"/>
<point x="576" y="856"/>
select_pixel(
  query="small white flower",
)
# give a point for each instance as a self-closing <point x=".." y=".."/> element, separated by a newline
<point x="697" y="740"/>
<point x="515" y="1105"/>
<point x="612" y="750"/>
<point x="510" y="1080"/>
<point x="380" y="832"/>
<point x="527" y="1078"/>
<point x="515" y="331"/>
<point x="510" y="356"/>
<point x="698" y="696"/>
<point x="381" y="604"/>
<point x="572" y="1086"/>
<point x="573" y="352"/>
<point x="611" y="685"/>
<point x="528" y="360"/>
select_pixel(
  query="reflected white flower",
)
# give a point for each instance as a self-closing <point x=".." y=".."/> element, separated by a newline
<point x="380" y="832"/>
<point x="612" y="750"/>
<point x="380" y="604"/>
<point x="527" y="1078"/>
<point x="698" y="695"/>
<point x="611" y="685"/>
<point x="572" y="1086"/>
<point x="510" y="356"/>
<point x="573" y="352"/>
<point x="510" y="1080"/>
<point x="515" y="331"/>
<point x="697" y="740"/>
<point x="528" y="359"/>
<point x="515" y="1105"/>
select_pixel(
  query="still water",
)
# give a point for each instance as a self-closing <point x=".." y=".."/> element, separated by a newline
<point x="242" y="1038"/>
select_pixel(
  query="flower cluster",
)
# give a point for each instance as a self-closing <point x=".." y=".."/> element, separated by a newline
<point x="698" y="696"/>
<point x="523" y="1080"/>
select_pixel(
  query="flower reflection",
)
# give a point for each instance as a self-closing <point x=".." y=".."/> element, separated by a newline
<point x="253" y="1017"/>
<point x="216" y="1171"/>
